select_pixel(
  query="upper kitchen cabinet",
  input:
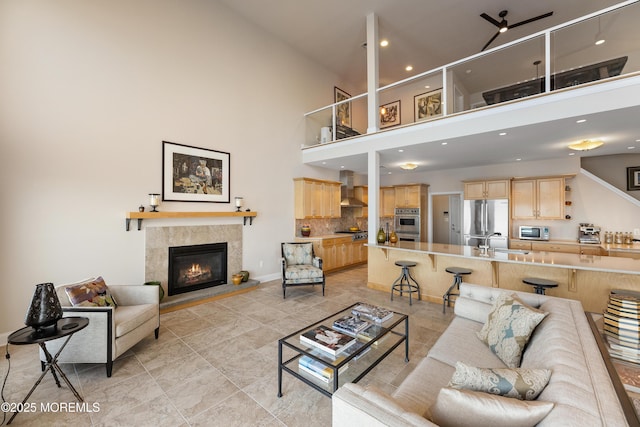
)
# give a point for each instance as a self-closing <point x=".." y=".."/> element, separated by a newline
<point x="410" y="196"/>
<point x="541" y="198"/>
<point x="387" y="201"/>
<point x="362" y="193"/>
<point x="494" y="189"/>
<point x="316" y="198"/>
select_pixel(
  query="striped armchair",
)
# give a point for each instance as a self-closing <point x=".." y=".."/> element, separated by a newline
<point x="300" y="266"/>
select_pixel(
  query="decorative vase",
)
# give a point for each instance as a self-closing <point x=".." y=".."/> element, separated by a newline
<point x="236" y="278"/>
<point x="160" y="288"/>
<point x="245" y="275"/>
<point x="393" y="238"/>
<point x="382" y="236"/>
<point x="305" y="230"/>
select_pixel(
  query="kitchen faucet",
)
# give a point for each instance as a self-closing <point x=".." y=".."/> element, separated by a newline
<point x="485" y="247"/>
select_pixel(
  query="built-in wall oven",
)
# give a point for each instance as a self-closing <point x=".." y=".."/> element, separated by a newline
<point x="407" y="224"/>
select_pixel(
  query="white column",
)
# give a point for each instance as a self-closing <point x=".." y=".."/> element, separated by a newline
<point x="372" y="73"/>
<point x="373" y="183"/>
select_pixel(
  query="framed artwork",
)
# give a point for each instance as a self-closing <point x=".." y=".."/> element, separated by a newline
<point x="192" y="174"/>
<point x="633" y="178"/>
<point x="390" y="114"/>
<point x="343" y="111"/>
<point x="427" y="105"/>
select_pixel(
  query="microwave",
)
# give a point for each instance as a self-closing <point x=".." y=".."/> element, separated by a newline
<point x="533" y="232"/>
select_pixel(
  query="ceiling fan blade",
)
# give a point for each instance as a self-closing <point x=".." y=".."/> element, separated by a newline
<point x="526" y="21"/>
<point x="489" y="42"/>
<point x="490" y="19"/>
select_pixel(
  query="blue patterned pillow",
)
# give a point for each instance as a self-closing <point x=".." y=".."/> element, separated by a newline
<point x="523" y="384"/>
<point x="509" y="327"/>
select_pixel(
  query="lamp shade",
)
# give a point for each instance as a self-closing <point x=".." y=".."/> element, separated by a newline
<point x="45" y="309"/>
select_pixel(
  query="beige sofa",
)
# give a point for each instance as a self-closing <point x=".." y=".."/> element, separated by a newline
<point x="110" y="332"/>
<point x="579" y="387"/>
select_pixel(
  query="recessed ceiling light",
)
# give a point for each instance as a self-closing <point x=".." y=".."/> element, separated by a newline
<point x="517" y="160"/>
<point x="324" y="163"/>
<point x="631" y="148"/>
<point x="581" y="121"/>
<point x="400" y="150"/>
<point x="599" y="42"/>
<point x="389" y="173"/>
<point x="637" y="140"/>
<point x="468" y="71"/>
<point x="408" y="67"/>
<point x="572" y="154"/>
<point x="444" y="143"/>
<point x="427" y="87"/>
<point x="384" y="43"/>
<point x="341" y="167"/>
<point x="502" y="133"/>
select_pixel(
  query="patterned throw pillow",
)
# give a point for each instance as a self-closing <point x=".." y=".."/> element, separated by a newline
<point x="509" y="327"/>
<point x="464" y="408"/>
<point x="91" y="293"/>
<point x="523" y="384"/>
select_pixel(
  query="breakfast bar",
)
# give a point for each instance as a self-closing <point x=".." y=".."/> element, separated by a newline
<point x="587" y="278"/>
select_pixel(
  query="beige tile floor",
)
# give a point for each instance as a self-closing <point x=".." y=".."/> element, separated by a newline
<point x="216" y="364"/>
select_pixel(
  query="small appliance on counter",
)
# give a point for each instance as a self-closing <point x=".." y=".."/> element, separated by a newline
<point x="588" y="233"/>
<point x="533" y="232"/>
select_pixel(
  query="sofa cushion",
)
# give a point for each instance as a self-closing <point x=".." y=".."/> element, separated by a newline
<point x="303" y="274"/>
<point x="298" y="253"/>
<point x="129" y="317"/>
<point x="90" y="293"/>
<point x="461" y="408"/>
<point x="523" y="384"/>
<point x="509" y="327"/>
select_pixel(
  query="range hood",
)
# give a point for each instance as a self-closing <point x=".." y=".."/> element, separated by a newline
<point x="347" y="198"/>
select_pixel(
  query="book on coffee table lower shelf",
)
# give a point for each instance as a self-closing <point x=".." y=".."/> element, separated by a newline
<point x="325" y="358"/>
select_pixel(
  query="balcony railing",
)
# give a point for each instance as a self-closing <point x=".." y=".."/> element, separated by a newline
<point x="558" y="58"/>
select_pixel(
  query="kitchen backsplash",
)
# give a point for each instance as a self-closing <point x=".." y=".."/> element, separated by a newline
<point x="324" y="226"/>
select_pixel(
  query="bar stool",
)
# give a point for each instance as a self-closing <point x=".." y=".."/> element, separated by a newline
<point x="403" y="283"/>
<point x="457" y="272"/>
<point x="540" y="284"/>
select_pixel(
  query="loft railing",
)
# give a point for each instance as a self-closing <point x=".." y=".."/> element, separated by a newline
<point x="558" y="58"/>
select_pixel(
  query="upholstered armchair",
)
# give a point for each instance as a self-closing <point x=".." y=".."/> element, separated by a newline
<point x="111" y="331"/>
<point x="300" y="266"/>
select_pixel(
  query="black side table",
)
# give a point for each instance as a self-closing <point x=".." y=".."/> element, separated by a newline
<point x="65" y="327"/>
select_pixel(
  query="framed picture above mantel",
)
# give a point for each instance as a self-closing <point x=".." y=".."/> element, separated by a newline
<point x="192" y="174"/>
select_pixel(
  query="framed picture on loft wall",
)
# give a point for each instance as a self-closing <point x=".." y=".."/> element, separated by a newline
<point x="427" y="105"/>
<point x="390" y="114"/>
<point x="192" y="174"/>
<point x="343" y="111"/>
<point x="633" y="178"/>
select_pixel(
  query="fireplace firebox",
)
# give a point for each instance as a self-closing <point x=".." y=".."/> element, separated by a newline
<point x="197" y="267"/>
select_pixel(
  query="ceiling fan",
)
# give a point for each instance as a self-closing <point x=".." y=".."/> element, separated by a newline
<point x="503" y="26"/>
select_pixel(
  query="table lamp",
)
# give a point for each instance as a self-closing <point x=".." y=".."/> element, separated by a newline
<point x="45" y="309"/>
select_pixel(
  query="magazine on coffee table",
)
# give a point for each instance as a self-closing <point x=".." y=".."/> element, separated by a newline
<point x="351" y="324"/>
<point x="327" y="340"/>
<point x="372" y="312"/>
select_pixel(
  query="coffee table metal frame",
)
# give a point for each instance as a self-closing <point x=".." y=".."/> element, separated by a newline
<point x="360" y="362"/>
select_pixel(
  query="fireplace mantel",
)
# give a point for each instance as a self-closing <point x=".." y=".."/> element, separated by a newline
<point x="155" y="215"/>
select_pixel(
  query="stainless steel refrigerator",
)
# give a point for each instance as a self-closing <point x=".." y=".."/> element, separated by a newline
<point x="483" y="218"/>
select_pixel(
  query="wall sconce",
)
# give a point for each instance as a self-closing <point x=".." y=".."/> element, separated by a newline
<point x="239" y="202"/>
<point x="154" y="201"/>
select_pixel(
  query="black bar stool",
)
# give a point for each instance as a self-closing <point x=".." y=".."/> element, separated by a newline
<point x="540" y="284"/>
<point x="403" y="283"/>
<point x="457" y="272"/>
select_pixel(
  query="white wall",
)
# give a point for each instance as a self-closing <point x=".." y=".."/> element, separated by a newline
<point x="89" y="92"/>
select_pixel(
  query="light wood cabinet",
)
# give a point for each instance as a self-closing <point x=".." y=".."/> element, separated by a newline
<point x="339" y="252"/>
<point x="362" y="193"/>
<point x="316" y="198"/>
<point x="590" y="250"/>
<point x="408" y="196"/>
<point x="541" y="198"/>
<point x="493" y="189"/>
<point x="387" y="201"/>
<point x="519" y="244"/>
<point x="555" y="247"/>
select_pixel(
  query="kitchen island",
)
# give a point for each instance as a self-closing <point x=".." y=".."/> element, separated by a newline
<point x="587" y="278"/>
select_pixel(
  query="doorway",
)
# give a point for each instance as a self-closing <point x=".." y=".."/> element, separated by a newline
<point x="446" y="218"/>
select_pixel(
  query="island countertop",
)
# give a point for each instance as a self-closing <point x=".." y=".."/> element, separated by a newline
<point x="609" y="264"/>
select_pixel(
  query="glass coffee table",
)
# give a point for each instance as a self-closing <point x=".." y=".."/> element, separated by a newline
<point x="371" y="347"/>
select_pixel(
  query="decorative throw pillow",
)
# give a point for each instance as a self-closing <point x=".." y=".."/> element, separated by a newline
<point x="462" y="408"/>
<point x="509" y="327"/>
<point x="523" y="384"/>
<point x="91" y="293"/>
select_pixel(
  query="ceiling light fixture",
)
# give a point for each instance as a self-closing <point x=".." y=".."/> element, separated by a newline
<point x="586" y="145"/>
<point x="409" y="67"/>
<point x="581" y="121"/>
<point x="408" y="166"/>
<point x="384" y="43"/>
<point x="502" y="133"/>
